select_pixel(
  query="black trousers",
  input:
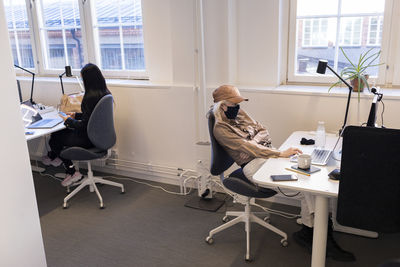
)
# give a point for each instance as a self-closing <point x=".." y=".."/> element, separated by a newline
<point x="67" y="138"/>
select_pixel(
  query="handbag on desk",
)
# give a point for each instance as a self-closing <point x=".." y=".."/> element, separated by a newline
<point x="71" y="102"/>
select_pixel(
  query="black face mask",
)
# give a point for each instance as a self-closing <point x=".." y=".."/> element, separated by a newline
<point x="232" y="112"/>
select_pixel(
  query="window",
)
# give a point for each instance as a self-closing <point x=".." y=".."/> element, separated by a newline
<point x="321" y="27"/>
<point x="315" y="32"/>
<point x="61" y="35"/>
<point x="18" y="28"/>
<point x="350" y="32"/>
<point x="119" y="33"/>
<point x="375" y="30"/>
<point x="63" y="30"/>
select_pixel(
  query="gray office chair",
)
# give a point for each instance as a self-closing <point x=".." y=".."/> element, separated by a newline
<point x="101" y="133"/>
<point x="240" y="185"/>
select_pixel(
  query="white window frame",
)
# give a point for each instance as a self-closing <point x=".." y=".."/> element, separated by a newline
<point x="92" y="33"/>
<point x="329" y="77"/>
<point x="341" y="37"/>
<point x="378" y="31"/>
<point x="36" y="13"/>
<point x="33" y="45"/>
<point x="86" y="11"/>
<point x="312" y="31"/>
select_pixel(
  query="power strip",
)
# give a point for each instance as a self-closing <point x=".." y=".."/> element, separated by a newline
<point x="42" y="109"/>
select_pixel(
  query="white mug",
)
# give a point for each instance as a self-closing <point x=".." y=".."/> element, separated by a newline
<point x="304" y="161"/>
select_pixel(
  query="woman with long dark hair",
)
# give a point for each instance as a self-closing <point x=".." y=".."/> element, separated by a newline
<point x="76" y="132"/>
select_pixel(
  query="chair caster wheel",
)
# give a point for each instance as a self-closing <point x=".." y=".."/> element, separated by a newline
<point x="102" y="207"/>
<point x="248" y="258"/>
<point x="284" y="243"/>
<point x="267" y="219"/>
<point x="122" y="191"/>
<point x="225" y="219"/>
<point x="65" y="205"/>
<point x="209" y="240"/>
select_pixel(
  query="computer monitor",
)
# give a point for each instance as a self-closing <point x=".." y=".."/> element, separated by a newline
<point x="19" y="91"/>
<point x="29" y="102"/>
<point x="21" y="101"/>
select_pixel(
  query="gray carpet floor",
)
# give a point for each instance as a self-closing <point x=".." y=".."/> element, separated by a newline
<point x="148" y="227"/>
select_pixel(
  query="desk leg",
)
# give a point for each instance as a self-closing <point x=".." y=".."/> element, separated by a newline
<point x="320" y="231"/>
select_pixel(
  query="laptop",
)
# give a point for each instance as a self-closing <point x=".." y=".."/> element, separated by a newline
<point x="45" y="123"/>
<point x="319" y="156"/>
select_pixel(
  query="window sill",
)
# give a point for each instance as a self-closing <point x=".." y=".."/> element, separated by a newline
<point x="310" y="90"/>
<point x="110" y="82"/>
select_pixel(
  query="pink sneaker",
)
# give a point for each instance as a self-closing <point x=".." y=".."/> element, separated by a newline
<point x="55" y="162"/>
<point x="70" y="179"/>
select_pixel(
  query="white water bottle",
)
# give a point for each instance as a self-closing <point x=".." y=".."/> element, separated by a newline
<point x="320" y="136"/>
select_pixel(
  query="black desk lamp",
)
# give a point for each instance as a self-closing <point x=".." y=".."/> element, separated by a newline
<point x="67" y="73"/>
<point x="29" y="102"/>
<point x="321" y="69"/>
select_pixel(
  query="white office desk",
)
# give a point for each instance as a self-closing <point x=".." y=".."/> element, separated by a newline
<point x="42" y="132"/>
<point x="317" y="184"/>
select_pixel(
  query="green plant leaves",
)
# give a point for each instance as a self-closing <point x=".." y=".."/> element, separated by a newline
<point x="357" y="70"/>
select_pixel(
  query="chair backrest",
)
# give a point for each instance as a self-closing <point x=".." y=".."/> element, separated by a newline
<point x="369" y="189"/>
<point x="220" y="160"/>
<point x="100" y="127"/>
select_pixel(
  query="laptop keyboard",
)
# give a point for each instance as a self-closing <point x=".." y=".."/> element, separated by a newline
<point x="319" y="156"/>
<point x="42" y="122"/>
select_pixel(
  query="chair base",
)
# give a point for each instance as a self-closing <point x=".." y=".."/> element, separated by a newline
<point x="91" y="181"/>
<point x="247" y="217"/>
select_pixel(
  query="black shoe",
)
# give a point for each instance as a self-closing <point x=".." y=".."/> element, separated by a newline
<point x="304" y="237"/>
<point x="336" y="253"/>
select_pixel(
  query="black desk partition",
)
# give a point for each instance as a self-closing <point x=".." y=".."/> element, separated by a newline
<point x="369" y="189"/>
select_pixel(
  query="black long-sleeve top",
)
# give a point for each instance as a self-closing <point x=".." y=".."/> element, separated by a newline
<point x="81" y="119"/>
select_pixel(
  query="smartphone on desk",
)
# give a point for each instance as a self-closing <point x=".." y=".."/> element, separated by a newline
<point x="284" y="177"/>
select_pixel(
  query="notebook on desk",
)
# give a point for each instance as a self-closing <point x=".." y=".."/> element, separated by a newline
<point x="319" y="156"/>
<point x="45" y="123"/>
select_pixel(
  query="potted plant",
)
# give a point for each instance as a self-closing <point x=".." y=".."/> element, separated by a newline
<point x="356" y="73"/>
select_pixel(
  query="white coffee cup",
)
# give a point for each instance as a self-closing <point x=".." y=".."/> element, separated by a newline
<point x="304" y="161"/>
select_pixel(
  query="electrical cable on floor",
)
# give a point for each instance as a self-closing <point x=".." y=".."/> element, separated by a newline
<point x="46" y="174"/>
<point x="121" y="178"/>
<point x="154" y="186"/>
<point x="49" y="175"/>
<point x="277" y="212"/>
<point x="288" y="195"/>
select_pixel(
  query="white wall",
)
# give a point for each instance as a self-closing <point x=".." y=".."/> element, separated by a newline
<point x="158" y="124"/>
<point x="20" y="234"/>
